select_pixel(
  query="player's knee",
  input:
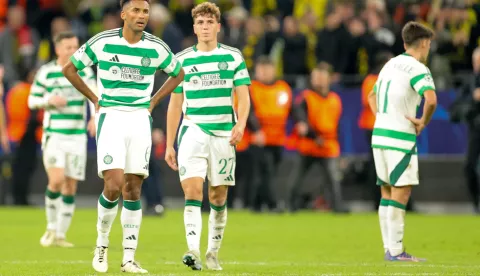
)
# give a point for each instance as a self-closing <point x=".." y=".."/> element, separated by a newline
<point x="55" y="183"/>
<point x="70" y="187"/>
<point x="193" y="188"/>
<point x="132" y="190"/>
<point x="113" y="184"/>
<point x="218" y="195"/>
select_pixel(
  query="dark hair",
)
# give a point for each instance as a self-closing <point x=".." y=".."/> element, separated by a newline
<point x="124" y="2"/>
<point x="264" y="60"/>
<point x="413" y="32"/>
<point x="63" y="35"/>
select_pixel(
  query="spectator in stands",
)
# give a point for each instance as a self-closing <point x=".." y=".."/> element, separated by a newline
<point x="46" y="50"/>
<point x="162" y="25"/>
<point x="271" y="101"/>
<point x="295" y="48"/>
<point x="255" y="45"/>
<point x="317" y="114"/>
<point x="234" y="33"/>
<point x="4" y="141"/>
<point x="18" y="46"/>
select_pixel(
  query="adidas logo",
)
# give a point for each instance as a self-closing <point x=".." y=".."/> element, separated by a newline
<point x="229" y="178"/>
<point x="115" y="58"/>
<point x="52" y="207"/>
<point x="131" y="238"/>
<point x="193" y="70"/>
<point x="217" y="237"/>
<point x="191" y="233"/>
<point x="67" y="215"/>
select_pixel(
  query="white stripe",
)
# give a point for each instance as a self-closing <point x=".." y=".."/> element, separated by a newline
<point x="391" y="142"/>
<point x="241" y="74"/>
<point x="227" y="118"/>
<point x="207" y="102"/>
<point x="67" y="123"/>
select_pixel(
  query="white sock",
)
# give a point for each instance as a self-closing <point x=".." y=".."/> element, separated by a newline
<point x="131" y="218"/>
<point x="52" y="206"/>
<point x="192" y="217"/>
<point x="107" y="211"/>
<point x="216" y="226"/>
<point x="65" y="215"/>
<point x="396" y="224"/>
<point x="382" y="215"/>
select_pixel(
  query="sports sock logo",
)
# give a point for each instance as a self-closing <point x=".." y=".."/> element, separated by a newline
<point x="131" y="238"/>
<point x="191" y="233"/>
<point x="217" y="237"/>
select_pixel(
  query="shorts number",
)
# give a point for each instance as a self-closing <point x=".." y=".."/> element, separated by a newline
<point x="224" y="163"/>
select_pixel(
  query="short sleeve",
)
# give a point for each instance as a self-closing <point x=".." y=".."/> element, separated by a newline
<point x="84" y="57"/>
<point x="38" y="87"/>
<point x="422" y="82"/>
<point x="179" y="88"/>
<point x="169" y="63"/>
<point x="241" y="76"/>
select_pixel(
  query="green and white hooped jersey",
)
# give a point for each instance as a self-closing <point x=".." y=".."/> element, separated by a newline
<point x="210" y="80"/>
<point x="126" y="71"/>
<point x="399" y="91"/>
<point x="68" y="120"/>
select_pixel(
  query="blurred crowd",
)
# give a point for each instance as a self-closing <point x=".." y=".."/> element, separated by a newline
<point x="289" y="46"/>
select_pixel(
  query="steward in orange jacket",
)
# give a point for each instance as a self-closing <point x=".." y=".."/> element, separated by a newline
<point x="317" y="116"/>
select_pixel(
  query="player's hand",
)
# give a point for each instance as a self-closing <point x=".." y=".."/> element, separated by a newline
<point x="57" y="101"/>
<point x="319" y="141"/>
<point x="418" y="123"/>
<point x="302" y="128"/>
<point x="5" y="142"/>
<point x="91" y="127"/>
<point x="97" y="106"/>
<point x="171" y="159"/>
<point x="237" y="134"/>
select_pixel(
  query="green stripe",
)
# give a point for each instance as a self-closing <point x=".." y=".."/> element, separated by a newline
<point x="52" y="195"/>
<point x="425" y="88"/>
<point x="123" y="99"/>
<point x="395" y="134"/>
<point x="51" y="88"/>
<point x="378" y="95"/>
<point x="55" y="75"/>
<point x="95" y="40"/>
<point x="392" y="148"/>
<point x="132" y="205"/>
<point x="166" y="62"/>
<point x="244" y="81"/>
<point x="36" y="94"/>
<point x="104" y="103"/>
<point x="210" y="110"/>
<point x="176" y="71"/>
<point x="106" y="203"/>
<point x="385" y="101"/>
<point x="39" y="84"/>
<point x="182" y="132"/>
<point x="178" y="89"/>
<point x="109" y="84"/>
<point x="241" y="66"/>
<point x="130" y="51"/>
<point x="77" y="63"/>
<point x="401" y="167"/>
<point x="416" y="79"/>
<point x="218" y="208"/>
<point x="66" y="131"/>
<point x="91" y="54"/>
<point x="207" y="59"/>
<point x="210" y="93"/>
<point x="397" y="204"/>
<point x="223" y="74"/>
<point x="384" y="202"/>
<point x="102" y="34"/>
<point x="106" y="65"/>
<point x="101" y="119"/>
<point x="68" y="199"/>
<point x="66" y="116"/>
<point x="381" y="182"/>
<point x="216" y="126"/>
<point x="192" y="202"/>
<point x="76" y="103"/>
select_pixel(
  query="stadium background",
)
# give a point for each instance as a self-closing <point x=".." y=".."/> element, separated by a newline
<point x="345" y="33"/>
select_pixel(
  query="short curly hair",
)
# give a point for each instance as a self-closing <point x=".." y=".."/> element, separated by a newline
<point x="206" y="8"/>
<point x="124" y="2"/>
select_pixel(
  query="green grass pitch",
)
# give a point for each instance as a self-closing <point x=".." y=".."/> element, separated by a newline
<point x="254" y="244"/>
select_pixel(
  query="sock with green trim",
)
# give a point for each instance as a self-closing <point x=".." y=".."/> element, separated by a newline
<point x="192" y="217"/>
<point x="216" y="226"/>
<point x="382" y="215"/>
<point x="107" y="211"/>
<point x="396" y="224"/>
<point x="131" y="219"/>
<point x="52" y="206"/>
<point x="67" y="207"/>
